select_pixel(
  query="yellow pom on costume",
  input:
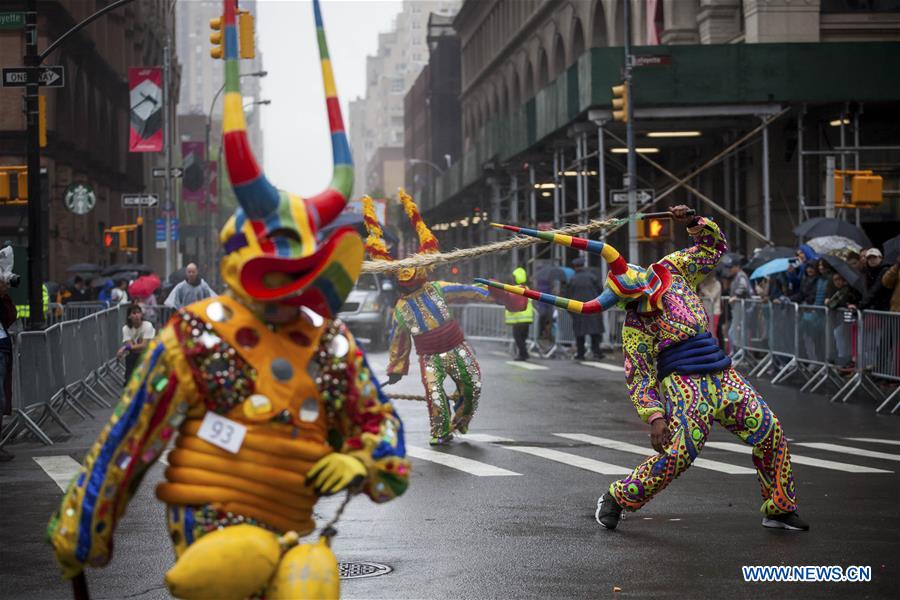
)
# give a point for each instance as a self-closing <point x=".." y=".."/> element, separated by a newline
<point x="308" y="571"/>
<point x="226" y="564"/>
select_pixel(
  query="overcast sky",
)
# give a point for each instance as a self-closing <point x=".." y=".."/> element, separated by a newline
<point x="297" y="147"/>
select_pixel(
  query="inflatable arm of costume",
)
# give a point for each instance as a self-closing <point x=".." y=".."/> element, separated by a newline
<point x="368" y="429"/>
<point x="400" y="345"/>
<point x="459" y="293"/>
<point x="639" y="348"/>
<point x="695" y="262"/>
<point x="152" y="407"/>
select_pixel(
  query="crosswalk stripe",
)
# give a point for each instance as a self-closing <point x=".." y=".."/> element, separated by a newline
<point x="599" y="365"/>
<point x="849" y="450"/>
<point x="459" y="463"/>
<point x="61" y="469"/>
<point x="484" y="438"/>
<point x="875" y="440"/>
<point x="712" y="465"/>
<point x="526" y="365"/>
<point x="572" y="460"/>
<point x="800" y="460"/>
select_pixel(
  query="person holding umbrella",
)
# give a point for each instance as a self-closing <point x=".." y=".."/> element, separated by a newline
<point x="584" y="286"/>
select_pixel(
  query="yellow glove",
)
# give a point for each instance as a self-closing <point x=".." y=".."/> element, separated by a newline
<point x="336" y="472"/>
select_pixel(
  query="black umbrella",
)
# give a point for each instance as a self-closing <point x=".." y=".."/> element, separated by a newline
<point x="551" y="273"/>
<point x="892" y="249"/>
<point x="769" y="253"/>
<point x="99" y="282"/>
<point x="84" y="268"/>
<point x="854" y="278"/>
<point x="820" y="226"/>
<point x="138" y="267"/>
<point x="177" y="276"/>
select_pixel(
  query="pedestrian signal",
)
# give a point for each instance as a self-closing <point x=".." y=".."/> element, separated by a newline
<point x="107" y="239"/>
<point x="620" y="103"/>
<point x="14" y="184"/>
<point x="216" y="38"/>
<point x="654" y="230"/>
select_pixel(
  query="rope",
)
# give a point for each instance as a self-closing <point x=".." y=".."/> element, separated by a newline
<point x="461" y="254"/>
<point x="328" y="531"/>
<point x="415" y="397"/>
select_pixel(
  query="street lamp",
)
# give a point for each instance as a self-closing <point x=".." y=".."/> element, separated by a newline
<point x="422" y="161"/>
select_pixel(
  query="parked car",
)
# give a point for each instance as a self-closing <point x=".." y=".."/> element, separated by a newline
<point x="367" y="310"/>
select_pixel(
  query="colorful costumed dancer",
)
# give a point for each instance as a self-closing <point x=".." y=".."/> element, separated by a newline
<point x="421" y="317"/>
<point x="271" y="398"/>
<point x="678" y="378"/>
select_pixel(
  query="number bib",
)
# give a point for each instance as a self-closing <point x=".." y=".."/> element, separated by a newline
<point x="222" y="432"/>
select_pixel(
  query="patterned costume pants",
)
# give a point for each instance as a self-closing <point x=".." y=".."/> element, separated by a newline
<point x="456" y="368"/>
<point x="694" y="402"/>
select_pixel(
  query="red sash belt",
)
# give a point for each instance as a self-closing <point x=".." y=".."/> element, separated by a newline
<point x="446" y="337"/>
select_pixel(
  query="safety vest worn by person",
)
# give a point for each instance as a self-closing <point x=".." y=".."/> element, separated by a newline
<point x="23" y="311"/>
<point x="522" y="316"/>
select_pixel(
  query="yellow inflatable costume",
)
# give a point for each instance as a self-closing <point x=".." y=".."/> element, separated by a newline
<point x="268" y="397"/>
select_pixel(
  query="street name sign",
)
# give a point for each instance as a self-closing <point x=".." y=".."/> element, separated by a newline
<point x="136" y="200"/>
<point x="161" y="172"/>
<point x="620" y="197"/>
<point x="54" y="76"/>
<point x="651" y="60"/>
<point x="12" y="20"/>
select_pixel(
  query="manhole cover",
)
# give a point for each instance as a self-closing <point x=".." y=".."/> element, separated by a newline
<point x="357" y="570"/>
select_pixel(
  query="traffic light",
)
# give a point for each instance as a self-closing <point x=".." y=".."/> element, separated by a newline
<point x="866" y="188"/>
<point x="654" y="230"/>
<point x="107" y="239"/>
<point x="246" y="34"/>
<point x="217" y="38"/>
<point x="116" y="237"/>
<point x="13" y="184"/>
<point x="620" y="103"/>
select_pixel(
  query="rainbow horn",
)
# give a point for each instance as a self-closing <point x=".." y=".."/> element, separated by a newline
<point x="616" y="263"/>
<point x="256" y="195"/>
<point x="606" y="300"/>
<point x="329" y="204"/>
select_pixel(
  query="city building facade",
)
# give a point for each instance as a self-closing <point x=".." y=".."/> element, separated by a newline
<point x="87" y="128"/>
<point x="376" y="120"/>
<point x="540" y="146"/>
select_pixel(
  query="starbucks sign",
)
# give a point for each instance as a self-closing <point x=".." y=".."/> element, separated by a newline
<point x="80" y="198"/>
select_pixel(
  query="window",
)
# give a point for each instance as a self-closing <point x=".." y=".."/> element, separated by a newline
<point x="397" y="85"/>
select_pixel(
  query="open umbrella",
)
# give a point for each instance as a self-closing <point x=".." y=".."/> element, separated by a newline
<point x="138" y="267"/>
<point x="552" y="273"/>
<point x="833" y="244"/>
<point x="143" y="286"/>
<point x="777" y="265"/>
<point x="854" y="278"/>
<point x="767" y="254"/>
<point x="99" y="282"/>
<point x="891" y="249"/>
<point x="84" y="268"/>
<point x="821" y="226"/>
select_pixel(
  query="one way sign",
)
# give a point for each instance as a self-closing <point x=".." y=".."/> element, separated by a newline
<point x="54" y="76"/>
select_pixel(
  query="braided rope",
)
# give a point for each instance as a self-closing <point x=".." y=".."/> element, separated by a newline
<point x="415" y="397"/>
<point x="461" y="254"/>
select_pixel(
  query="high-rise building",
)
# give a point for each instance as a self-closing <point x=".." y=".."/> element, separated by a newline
<point x="376" y="120"/>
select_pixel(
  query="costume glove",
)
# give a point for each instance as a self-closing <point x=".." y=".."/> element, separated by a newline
<point x="336" y="472"/>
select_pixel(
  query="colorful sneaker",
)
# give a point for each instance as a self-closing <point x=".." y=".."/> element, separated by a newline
<point x="608" y="511"/>
<point x="790" y="521"/>
<point x="440" y="441"/>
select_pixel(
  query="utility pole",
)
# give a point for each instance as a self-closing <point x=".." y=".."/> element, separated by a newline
<point x="33" y="149"/>
<point x="168" y="205"/>
<point x="631" y="184"/>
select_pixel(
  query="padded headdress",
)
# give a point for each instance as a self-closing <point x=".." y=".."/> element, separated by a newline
<point x="625" y="283"/>
<point x="272" y="253"/>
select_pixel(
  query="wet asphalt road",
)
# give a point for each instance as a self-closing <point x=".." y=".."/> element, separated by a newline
<point x="517" y="524"/>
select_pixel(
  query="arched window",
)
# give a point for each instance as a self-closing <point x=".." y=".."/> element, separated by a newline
<point x="599" y="37"/>
<point x="577" y="41"/>
<point x="528" y="90"/>
<point x="515" y="91"/>
<point x="559" y="57"/>
<point x="543" y="70"/>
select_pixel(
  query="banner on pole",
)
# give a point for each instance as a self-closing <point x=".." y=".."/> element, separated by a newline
<point x="146" y="100"/>
<point x="193" y="155"/>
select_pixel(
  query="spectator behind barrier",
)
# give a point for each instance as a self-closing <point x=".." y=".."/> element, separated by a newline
<point x="136" y="334"/>
<point x="844" y="297"/>
<point x="889" y="279"/>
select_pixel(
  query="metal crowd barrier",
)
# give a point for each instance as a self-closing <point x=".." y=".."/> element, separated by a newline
<point x="64" y="367"/>
<point x="851" y="350"/>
